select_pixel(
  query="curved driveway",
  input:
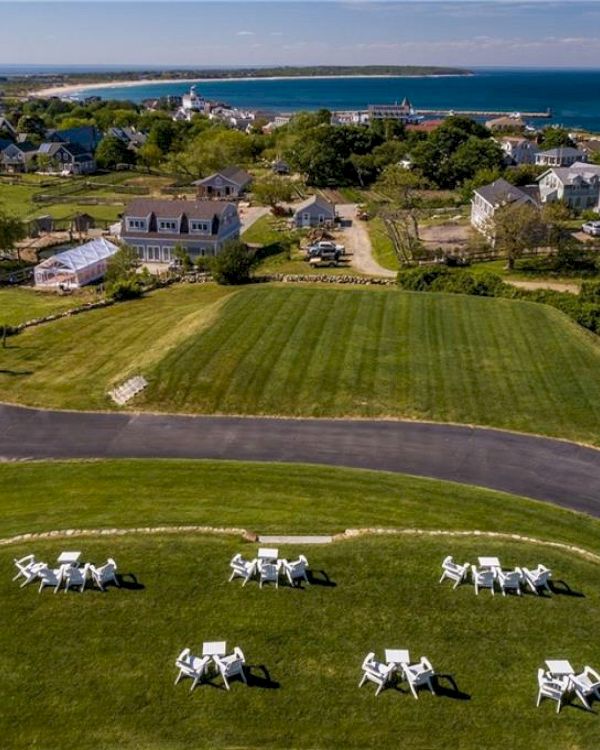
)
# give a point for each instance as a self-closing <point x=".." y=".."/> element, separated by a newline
<point x="540" y="468"/>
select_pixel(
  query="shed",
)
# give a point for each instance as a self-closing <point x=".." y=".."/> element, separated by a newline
<point x="314" y="212"/>
<point x="83" y="222"/>
<point x="76" y="267"/>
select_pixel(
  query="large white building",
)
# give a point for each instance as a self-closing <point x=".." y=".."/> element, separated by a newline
<point x="578" y="185"/>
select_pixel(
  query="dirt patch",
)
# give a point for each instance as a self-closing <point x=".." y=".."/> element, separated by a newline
<point x="557" y="286"/>
<point x="449" y="236"/>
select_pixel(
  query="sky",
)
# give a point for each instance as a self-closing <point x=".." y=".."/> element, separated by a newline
<point x="235" y="33"/>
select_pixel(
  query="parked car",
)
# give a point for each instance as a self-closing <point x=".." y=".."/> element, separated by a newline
<point x="325" y="247"/>
<point x="592" y="228"/>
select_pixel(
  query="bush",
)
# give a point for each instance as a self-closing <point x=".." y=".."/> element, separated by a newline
<point x="124" y="289"/>
<point x="233" y="264"/>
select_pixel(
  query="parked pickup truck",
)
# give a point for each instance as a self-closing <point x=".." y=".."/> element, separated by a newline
<point x="325" y="248"/>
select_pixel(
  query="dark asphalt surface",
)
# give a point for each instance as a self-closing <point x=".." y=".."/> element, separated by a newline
<point x="540" y="468"/>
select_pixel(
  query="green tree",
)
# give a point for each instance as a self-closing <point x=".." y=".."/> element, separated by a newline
<point x="12" y="231"/>
<point x="112" y="151"/>
<point x="555" y="137"/>
<point x="163" y="134"/>
<point x="182" y="255"/>
<point x="149" y="155"/>
<point x="400" y="215"/>
<point x="516" y="228"/>
<point x="122" y="280"/>
<point x="233" y="264"/>
<point x="31" y="124"/>
<point x="272" y="191"/>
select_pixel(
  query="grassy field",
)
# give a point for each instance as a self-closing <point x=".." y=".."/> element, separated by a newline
<point x="321" y="352"/>
<point x="383" y="251"/>
<point x="20" y="304"/>
<point x="95" y="671"/>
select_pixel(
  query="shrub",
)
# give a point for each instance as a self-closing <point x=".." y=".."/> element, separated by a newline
<point x="233" y="264"/>
<point x="124" y="289"/>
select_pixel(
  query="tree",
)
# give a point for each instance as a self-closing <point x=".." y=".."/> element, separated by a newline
<point x="12" y="231"/>
<point x="182" y="255"/>
<point x="272" y="191"/>
<point x="555" y="137"/>
<point x="31" y="124"/>
<point x="212" y="150"/>
<point x="401" y="215"/>
<point x="149" y="155"/>
<point x="112" y="151"/>
<point x="122" y="281"/>
<point x="516" y="228"/>
<point x="556" y="216"/>
<point x="233" y="264"/>
<point x="162" y="134"/>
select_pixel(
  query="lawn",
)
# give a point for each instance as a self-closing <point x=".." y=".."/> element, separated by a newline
<point x="315" y="351"/>
<point x="20" y="304"/>
<point x="95" y="671"/>
<point x="383" y="250"/>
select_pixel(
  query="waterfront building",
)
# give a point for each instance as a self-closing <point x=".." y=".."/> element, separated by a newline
<point x="403" y="112"/>
<point x="155" y="227"/>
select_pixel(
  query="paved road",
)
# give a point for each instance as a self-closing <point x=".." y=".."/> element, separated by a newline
<point x="561" y="472"/>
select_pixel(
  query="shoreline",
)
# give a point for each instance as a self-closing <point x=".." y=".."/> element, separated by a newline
<point x="75" y="88"/>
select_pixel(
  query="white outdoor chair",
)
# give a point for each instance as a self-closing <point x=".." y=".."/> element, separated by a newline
<point x="191" y="666"/>
<point x="75" y="576"/>
<point x="242" y="568"/>
<point x="232" y="666"/>
<point x="28" y="568"/>
<point x="538" y="578"/>
<point x="510" y="580"/>
<point x="586" y="685"/>
<point x="106" y="573"/>
<point x="268" y="573"/>
<point x="483" y="579"/>
<point x="50" y="577"/>
<point x="376" y="671"/>
<point x="549" y="687"/>
<point x="296" y="569"/>
<point x="419" y="674"/>
<point x="454" y="571"/>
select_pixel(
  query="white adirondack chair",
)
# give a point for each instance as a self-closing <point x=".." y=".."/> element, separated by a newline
<point x="50" y="577"/>
<point x="549" y="687"/>
<point x="241" y="568"/>
<point x="296" y="569"/>
<point x="191" y="666"/>
<point x="538" y="578"/>
<point x="28" y="568"/>
<point x="232" y="666"/>
<point x="75" y="576"/>
<point x="419" y="674"/>
<point x="454" y="571"/>
<point x="376" y="671"/>
<point x="268" y="573"/>
<point x="483" y="579"/>
<point x="586" y="685"/>
<point x="510" y="580"/>
<point x="106" y="573"/>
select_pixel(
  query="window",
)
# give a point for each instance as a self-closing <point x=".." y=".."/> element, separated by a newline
<point x="199" y="226"/>
<point x="167" y="225"/>
<point x="139" y="224"/>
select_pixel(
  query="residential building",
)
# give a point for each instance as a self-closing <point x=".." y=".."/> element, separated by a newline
<point x="17" y="157"/>
<point x="193" y="102"/>
<point x="578" y="185"/>
<point x="76" y="267"/>
<point x="230" y="182"/>
<point x="156" y="227"/>
<point x="488" y="199"/>
<point x="591" y="148"/>
<point x="131" y="137"/>
<point x="560" y="157"/>
<point x="68" y="158"/>
<point x="518" y="150"/>
<point x="314" y="212"/>
<point x="507" y="122"/>
<point x="86" y="136"/>
<point x="403" y="112"/>
<point x="280" y="167"/>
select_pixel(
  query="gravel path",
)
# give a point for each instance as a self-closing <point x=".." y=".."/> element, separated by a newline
<point x="358" y="244"/>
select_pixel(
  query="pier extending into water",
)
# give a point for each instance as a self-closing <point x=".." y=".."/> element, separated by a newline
<point x="485" y="113"/>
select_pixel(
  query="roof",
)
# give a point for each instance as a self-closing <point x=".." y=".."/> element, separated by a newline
<point x="4" y="143"/>
<point x="579" y="169"/>
<point x="510" y="122"/>
<point x="316" y="200"/>
<point x="561" y="151"/>
<point x="500" y="191"/>
<point x="234" y="174"/>
<point x="87" y="136"/>
<point x="81" y="257"/>
<point x="168" y="209"/>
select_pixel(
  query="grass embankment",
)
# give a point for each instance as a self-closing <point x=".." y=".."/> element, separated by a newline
<point x="321" y="352"/>
<point x="20" y="304"/>
<point x="381" y="245"/>
<point x="95" y="671"/>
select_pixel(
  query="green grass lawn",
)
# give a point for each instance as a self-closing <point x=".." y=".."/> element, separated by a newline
<point x="383" y="250"/>
<point x="20" y="304"/>
<point x="312" y="351"/>
<point x="95" y="671"/>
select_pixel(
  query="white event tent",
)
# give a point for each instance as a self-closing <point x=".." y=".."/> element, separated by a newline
<point x="76" y="267"/>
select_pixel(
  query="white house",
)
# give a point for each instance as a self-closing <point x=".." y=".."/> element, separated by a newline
<point x="518" y="150"/>
<point x="193" y="102"/>
<point x="560" y="157"/>
<point x="578" y="185"/>
<point x="314" y="212"/>
<point x="76" y="267"/>
<point x="489" y="198"/>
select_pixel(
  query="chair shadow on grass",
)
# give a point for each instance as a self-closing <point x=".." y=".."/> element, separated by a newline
<point x="129" y="582"/>
<point x="257" y="676"/>
<point x="562" y="588"/>
<point x="446" y="687"/>
<point x="320" y="578"/>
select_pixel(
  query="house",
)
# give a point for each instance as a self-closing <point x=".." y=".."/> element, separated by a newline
<point x="314" y="212"/>
<point x="68" y="158"/>
<point x="82" y="223"/>
<point x="230" y="182"/>
<point x="488" y="199"/>
<point x="578" y="185"/>
<point x="508" y="122"/>
<point x="156" y="227"/>
<point x="560" y="157"/>
<point x="590" y="148"/>
<point x="76" y="267"/>
<point x="131" y="137"/>
<point x="280" y="167"/>
<point x="16" y="157"/>
<point x="86" y="136"/>
<point x="518" y="150"/>
<point x="403" y="112"/>
<point x="193" y="102"/>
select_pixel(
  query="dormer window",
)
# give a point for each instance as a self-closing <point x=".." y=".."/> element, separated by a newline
<point x="199" y="226"/>
<point x="167" y="225"/>
<point x="136" y="224"/>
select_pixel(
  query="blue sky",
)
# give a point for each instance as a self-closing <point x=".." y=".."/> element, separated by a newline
<point x="230" y="33"/>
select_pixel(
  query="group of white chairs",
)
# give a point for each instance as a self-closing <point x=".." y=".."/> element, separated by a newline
<point x="397" y="668"/>
<point x="269" y="570"/>
<point x="562" y="683"/>
<point x="199" y="668"/>
<point x="67" y="574"/>
<point x="487" y="576"/>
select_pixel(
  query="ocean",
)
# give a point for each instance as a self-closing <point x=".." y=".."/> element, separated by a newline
<point x="573" y="96"/>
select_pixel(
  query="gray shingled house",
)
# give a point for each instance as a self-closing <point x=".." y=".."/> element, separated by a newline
<point x="314" y="212"/>
<point x="488" y="199"/>
<point x="230" y="182"/>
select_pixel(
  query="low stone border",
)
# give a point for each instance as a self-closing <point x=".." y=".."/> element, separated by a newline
<point x="326" y="278"/>
<point x="249" y="536"/>
<point x="12" y="330"/>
